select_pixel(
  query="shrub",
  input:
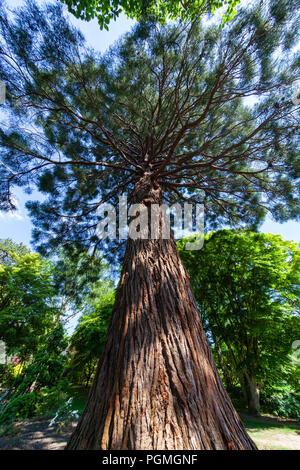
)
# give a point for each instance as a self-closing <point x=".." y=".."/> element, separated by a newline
<point x="40" y="402"/>
<point x="284" y="404"/>
<point x="20" y="406"/>
<point x="64" y="415"/>
<point x="7" y="375"/>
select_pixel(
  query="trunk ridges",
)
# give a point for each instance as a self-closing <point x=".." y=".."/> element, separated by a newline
<point x="156" y="385"/>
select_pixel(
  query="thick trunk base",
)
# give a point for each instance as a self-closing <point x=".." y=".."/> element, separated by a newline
<point x="156" y="386"/>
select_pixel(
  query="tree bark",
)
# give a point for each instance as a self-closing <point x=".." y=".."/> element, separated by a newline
<point x="156" y="385"/>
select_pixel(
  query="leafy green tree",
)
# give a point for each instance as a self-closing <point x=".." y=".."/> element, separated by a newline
<point x="74" y="276"/>
<point x="247" y="288"/>
<point x="89" y="337"/>
<point x="36" y="293"/>
<point x="106" y="10"/>
<point x="162" y="116"/>
<point x="7" y="246"/>
<point x="43" y="374"/>
<point x="48" y="363"/>
<point x="27" y="308"/>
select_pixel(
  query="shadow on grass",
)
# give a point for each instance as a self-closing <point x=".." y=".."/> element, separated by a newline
<point x="263" y="423"/>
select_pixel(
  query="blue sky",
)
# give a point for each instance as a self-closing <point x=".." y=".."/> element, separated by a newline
<point x="17" y="226"/>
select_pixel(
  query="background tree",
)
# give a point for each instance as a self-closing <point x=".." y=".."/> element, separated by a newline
<point x="38" y="297"/>
<point x="75" y="274"/>
<point x="7" y="246"/>
<point x="106" y="10"/>
<point x="27" y="303"/>
<point x="48" y="363"/>
<point x="88" y="339"/>
<point x="246" y="285"/>
<point x="161" y="116"/>
<point x="41" y="376"/>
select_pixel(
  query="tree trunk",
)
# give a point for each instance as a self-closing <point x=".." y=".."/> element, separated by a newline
<point x="156" y="385"/>
<point x="252" y="394"/>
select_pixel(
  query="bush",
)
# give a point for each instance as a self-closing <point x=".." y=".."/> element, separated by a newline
<point x="284" y="404"/>
<point x="7" y="375"/>
<point x="4" y="396"/>
<point x="20" y="406"/>
<point x="40" y="402"/>
<point x="64" y="415"/>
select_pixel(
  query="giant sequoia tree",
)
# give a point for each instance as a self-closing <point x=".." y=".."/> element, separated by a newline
<point x="161" y="116"/>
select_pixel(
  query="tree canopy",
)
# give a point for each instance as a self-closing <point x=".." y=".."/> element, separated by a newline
<point x="28" y="309"/>
<point x="7" y="246"/>
<point x="106" y="10"/>
<point x="168" y="101"/>
<point x="89" y="336"/>
<point x="48" y="363"/>
<point x="247" y="288"/>
<point x="74" y="275"/>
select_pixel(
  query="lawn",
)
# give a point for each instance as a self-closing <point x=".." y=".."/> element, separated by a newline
<point x="270" y="433"/>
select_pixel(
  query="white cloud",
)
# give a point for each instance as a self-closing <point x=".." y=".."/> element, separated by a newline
<point x="16" y="214"/>
<point x="11" y="215"/>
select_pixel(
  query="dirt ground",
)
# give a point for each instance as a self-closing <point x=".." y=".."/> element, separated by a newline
<point x="36" y="435"/>
<point x="269" y="433"/>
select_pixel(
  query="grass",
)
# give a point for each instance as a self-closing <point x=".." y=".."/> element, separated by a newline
<point x="259" y="427"/>
<point x="271" y="434"/>
<point x="268" y="433"/>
